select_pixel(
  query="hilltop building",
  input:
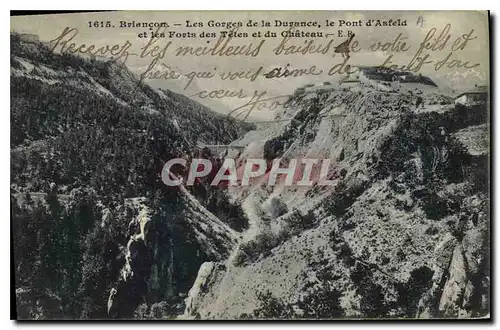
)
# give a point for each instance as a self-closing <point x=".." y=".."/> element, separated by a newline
<point x="477" y="95"/>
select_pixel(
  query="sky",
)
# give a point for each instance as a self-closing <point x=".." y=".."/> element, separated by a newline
<point x="419" y="24"/>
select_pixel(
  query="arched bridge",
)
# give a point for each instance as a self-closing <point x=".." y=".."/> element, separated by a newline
<point x="219" y="149"/>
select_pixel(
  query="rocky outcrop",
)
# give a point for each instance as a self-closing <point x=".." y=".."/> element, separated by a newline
<point x="451" y="297"/>
<point x="154" y="261"/>
<point x="207" y="275"/>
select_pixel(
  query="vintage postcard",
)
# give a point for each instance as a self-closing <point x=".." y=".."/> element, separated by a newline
<point x="248" y="165"/>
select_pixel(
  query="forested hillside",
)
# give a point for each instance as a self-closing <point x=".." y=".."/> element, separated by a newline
<point x="88" y="142"/>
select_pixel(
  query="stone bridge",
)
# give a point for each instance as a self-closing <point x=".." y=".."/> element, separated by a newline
<point x="221" y="149"/>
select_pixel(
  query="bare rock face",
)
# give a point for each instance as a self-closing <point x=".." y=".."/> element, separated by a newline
<point x="200" y="285"/>
<point x="207" y="275"/>
<point x="462" y="291"/>
<point x="444" y="251"/>
<point x="473" y="244"/>
<point x="451" y="298"/>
